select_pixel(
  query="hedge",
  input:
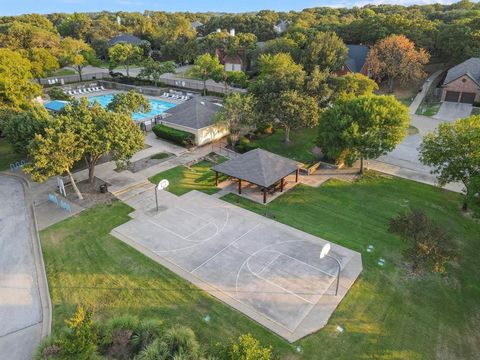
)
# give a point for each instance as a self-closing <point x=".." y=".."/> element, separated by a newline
<point x="179" y="137"/>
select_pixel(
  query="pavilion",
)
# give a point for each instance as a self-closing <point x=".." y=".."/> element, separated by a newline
<point x="259" y="167"/>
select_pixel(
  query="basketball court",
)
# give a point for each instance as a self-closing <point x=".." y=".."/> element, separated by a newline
<point x="267" y="270"/>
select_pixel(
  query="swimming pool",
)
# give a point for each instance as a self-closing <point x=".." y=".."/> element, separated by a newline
<point x="156" y="106"/>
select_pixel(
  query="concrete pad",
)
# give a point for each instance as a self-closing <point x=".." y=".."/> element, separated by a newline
<point x="269" y="271"/>
<point x="450" y="111"/>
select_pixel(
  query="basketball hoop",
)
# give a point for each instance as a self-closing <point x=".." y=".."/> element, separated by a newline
<point x="162" y="185"/>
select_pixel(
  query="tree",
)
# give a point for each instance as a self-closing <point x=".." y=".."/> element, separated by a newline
<point x="318" y="85"/>
<point x="353" y="85"/>
<point x="326" y="50"/>
<point x="124" y="54"/>
<point x="20" y="128"/>
<point x="396" y="58"/>
<point x="43" y="63"/>
<point x="237" y="114"/>
<point x="454" y="153"/>
<point x="207" y="67"/>
<point x="282" y="45"/>
<point x="101" y="132"/>
<point x="362" y="128"/>
<point x="130" y="101"/>
<point x="236" y="78"/>
<point x="16" y="88"/>
<point x="248" y="348"/>
<point x="278" y="73"/>
<point x="153" y="70"/>
<point x="54" y="152"/>
<point x="77" y="54"/>
<point x="296" y="110"/>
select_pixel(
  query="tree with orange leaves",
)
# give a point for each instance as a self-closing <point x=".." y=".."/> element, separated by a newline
<point x="396" y="58"/>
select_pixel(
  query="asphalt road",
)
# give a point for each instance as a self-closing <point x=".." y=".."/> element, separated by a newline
<point x="21" y="313"/>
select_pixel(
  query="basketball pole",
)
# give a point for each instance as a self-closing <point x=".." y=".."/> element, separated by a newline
<point x="338" y="273"/>
<point x="156" y="197"/>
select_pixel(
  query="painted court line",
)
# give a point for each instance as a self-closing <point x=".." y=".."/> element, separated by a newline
<point x="170" y="231"/>
<point x="225" y="248"/>
<point x="269" y="263"/>
<point x="303" y="262"/>
<point x="279" y="286"/>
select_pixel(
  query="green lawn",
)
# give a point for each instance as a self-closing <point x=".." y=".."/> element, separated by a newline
<point x="300" y="147"/>
<point x="86" y="265"/>
<point x="7" y="155"/>
<point x="428" y="108"/>
<point x="64" y="72"/>
<point x="183" y="179"/>
<point x="388" y="314"/>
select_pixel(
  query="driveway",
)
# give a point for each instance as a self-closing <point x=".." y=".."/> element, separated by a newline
<point x="24" y="302"/>
<point x="450" y="111"/>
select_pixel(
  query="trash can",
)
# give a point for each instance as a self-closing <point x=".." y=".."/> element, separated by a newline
<point x="103" y="188"/>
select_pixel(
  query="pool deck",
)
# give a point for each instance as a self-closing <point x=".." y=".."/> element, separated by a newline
<point x="112" y="91"/>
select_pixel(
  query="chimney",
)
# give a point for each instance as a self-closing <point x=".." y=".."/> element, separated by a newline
<point x="219" y="30"/>
<point x="232" y="32"/>
<point x="119" y="20"/>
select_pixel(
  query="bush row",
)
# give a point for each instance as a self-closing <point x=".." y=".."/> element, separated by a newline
<point x="179" y="137"/>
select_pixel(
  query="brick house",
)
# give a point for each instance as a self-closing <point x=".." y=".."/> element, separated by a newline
<point x="356" y="61"/>
<point x="462" y="83"/>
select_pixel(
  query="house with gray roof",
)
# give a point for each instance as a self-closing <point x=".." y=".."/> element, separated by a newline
<point x="280" y="27"/>
<point x="124" y="38"/>
<point x="197" y="116"/>
<point x="462" y="82"/>
<point x="356" y="61"/>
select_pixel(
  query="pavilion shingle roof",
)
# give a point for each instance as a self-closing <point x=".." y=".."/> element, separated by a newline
<point x="258" y="167"/>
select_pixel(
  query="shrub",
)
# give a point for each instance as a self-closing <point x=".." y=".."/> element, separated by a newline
<point x="244" y="145"/>
<point x="265" y="128"/>
<point x="57" y="93"/>
<point x="248" y="348"/>
<point x="79" y="341"/>
<point x="429" y="243"/>
<point x="180" y="137"/>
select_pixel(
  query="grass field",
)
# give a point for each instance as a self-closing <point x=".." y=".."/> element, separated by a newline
<point x="64" y="72"/>
<point x="184" y="179"/>
<point x="7" y="155"/>
<point x="300" y="147"/>
<point x="386" y="315"/>
<point x="389" y="314"/>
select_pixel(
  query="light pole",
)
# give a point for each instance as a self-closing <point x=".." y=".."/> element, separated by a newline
<point x="324" y="253"/>
<point x="162" y="185"/>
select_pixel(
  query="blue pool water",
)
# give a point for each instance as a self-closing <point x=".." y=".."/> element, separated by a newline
<point x="156" y="106"/>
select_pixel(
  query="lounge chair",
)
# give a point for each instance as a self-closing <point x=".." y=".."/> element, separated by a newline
<point x="74" y="92"/>
<point x="102" y="88"/>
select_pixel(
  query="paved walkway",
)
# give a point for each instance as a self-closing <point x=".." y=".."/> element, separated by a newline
<point x="421" y="95"/>
<point x="25" y="309"/>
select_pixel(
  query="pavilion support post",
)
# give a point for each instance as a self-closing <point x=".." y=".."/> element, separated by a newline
<point x="296" y="175"/>
<point x="239" y="186"/>
<point x="264" y="195"/>
<point x="282" y="182"/>
<point x="216" y="178"/>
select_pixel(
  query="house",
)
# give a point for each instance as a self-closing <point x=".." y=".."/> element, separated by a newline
<point x="232" y="62"/>
<point x="124" y="38"/>
<point x="195" y="24"/>
<point x="356" y="61"/>
<point x="280" y="27"/>
<point x="197" y="116"/>
<point x="462" y="82"/>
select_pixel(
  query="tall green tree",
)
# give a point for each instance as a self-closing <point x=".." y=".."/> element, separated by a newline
<point x="454" y="153"/>
<point x="353" y="85"/>
<point x="237" y="114"/>
<point x="130" y="101"/>
<point x="54" y="152"/>
<point x="207" y="67"/>
<point x="326" y="50"/>
<point x="278" y="73"/>
<point x="77" y="54"/>
<point x="102" y="132"/>
<point x="126" y="55"/>
<point x="16" y="87"/>
<point x="42" y="61"/>
<point x="296" y="110"/>
<point x="362" y="128"/>
<point x="153" y="70"/>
